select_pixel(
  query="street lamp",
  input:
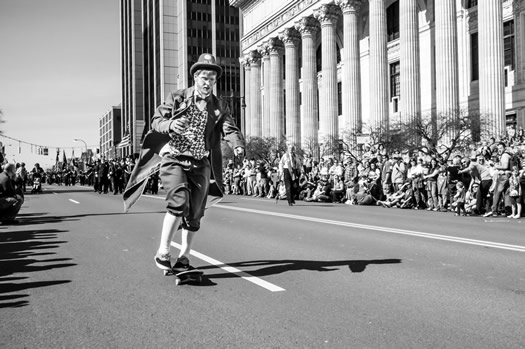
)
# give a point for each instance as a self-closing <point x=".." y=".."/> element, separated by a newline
<point x="85" y="144"/>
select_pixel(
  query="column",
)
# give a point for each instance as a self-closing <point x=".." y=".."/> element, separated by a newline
<point x="447" y="81"/>
<point x="255" y="94"/>
<point x="409" y="61"/>
<point x="327" y="15"/>
<point x="276" y="49"/>
<point x="266" y="90"/>
<point x="309" y="27"/>
<point x="291" y="39"/>
<point x="378" y="68"/>
<point x="247" y="90"/>
<point x="491" y="66"/>
<point x="351" y="79"/>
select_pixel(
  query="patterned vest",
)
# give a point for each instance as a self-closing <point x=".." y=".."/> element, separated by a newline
<point x="192" y="142"/>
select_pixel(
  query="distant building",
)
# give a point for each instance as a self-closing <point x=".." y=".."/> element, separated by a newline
<point x="314" y="68"/>
<point x="110" y="133"/>
<point x="160" y="40"/>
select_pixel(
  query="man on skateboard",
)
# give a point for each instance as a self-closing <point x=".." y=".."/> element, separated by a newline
<point x="185" y="140"/>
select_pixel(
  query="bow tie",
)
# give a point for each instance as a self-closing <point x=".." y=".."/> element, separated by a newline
<point x="198" y="98"/>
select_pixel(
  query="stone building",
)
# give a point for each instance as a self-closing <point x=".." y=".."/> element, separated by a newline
<point x="314" y="68"/>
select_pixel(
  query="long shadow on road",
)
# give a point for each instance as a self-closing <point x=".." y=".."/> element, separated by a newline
<point x="18" y="252"/>
<point x="43" y="218"/>
<point x="272" y="267"/>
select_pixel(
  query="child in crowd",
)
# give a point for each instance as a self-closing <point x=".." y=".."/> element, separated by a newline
<point x="515" y="193"/>
<point x="471" y="198"/>
<point x="460" y="199"/>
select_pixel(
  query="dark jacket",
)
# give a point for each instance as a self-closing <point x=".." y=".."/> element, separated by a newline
<point x="220" y="125"/>
<point x="7" y="188"/>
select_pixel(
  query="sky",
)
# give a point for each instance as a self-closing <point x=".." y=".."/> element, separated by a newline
<point x="59" y="73"/>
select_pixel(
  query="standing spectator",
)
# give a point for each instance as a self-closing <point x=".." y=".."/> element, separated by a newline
<point x="442" y="188"/>
<point x="399" y="173"/>
<point x="386" y="174"/>
<point x="480" y="174"/>
<point x="290" y="170"/>
<point x="264" y="180"/>
<point x="236" y="187"/>
<point x="501" y="180"/>
<point x="415" y="176"/>
<point x="21" y="176"/>
<point x="515" y="193"/>
<point x="431" y="179"/>
<point x="250" y="176"/>
<point x="10" y="200"/>
<point x="308" y="163"/>
<point x="453" y="177"/>
<point x="350" y="180"/>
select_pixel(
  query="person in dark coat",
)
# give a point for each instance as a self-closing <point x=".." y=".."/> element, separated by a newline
<point x="184" y="146"/>
<point x="10" y="200"/>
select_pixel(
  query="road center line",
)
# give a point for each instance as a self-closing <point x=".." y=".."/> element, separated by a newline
<point x="259" y="282"/>
<point x="73" y="201"/>
<point x="384" y="229"/>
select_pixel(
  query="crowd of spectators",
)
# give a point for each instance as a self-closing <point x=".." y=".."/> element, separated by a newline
<point x="488" y="179"/>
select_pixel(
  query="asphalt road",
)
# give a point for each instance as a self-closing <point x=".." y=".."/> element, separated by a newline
<point x="77" y="272"/>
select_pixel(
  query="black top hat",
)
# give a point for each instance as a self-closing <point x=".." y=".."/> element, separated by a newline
<point x="207" y="62"/>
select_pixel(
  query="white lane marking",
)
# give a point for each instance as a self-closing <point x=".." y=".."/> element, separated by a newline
<point x="73" y="201"/>
<point x="517" y="248"/>
<point x="259" y="282"/>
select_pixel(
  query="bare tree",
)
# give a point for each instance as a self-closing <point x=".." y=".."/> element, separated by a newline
<point x="441" y="135"/>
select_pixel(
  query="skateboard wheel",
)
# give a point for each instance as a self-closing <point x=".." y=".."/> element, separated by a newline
<point x="199" y="279"/>
<point x="177" y="282"/>
<point x="166" y="272"/>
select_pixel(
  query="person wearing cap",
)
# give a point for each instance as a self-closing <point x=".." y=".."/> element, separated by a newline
<point x="185" y="143"/>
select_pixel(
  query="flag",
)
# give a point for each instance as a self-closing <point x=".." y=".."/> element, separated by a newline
<point x="125" y="141"/>
<point x="64" y="160"/>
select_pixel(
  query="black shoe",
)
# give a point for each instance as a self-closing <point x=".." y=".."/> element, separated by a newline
<point x="163" y="261"/>
<point x="182" y="264"/>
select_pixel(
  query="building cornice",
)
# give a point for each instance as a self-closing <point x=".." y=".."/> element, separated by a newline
<point x="273" y="23"/>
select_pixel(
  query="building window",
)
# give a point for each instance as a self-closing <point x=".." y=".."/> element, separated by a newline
<point x="508" y="43"/>
<point x="395" y="78"/>
<point x="474" y="57"/>
<point x="472" y="3"/>
<point x="392" y="20"/>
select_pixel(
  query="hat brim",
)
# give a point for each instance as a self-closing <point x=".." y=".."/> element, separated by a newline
<point x="206" y="66"/>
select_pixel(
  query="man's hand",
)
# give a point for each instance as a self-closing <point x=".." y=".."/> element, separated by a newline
<point x="179" y="126"/>
<point x="239" y="151"/>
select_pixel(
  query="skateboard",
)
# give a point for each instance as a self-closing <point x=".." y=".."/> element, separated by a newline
<point x="193" y="276"/>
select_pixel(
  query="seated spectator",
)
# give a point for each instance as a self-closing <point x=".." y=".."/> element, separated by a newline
<point x="338" y="192"/>
<point x="470" y="198"/>
<point x="10" y="200"/>
<point x="400" y="198"/>
<point x="314" y="196"/>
